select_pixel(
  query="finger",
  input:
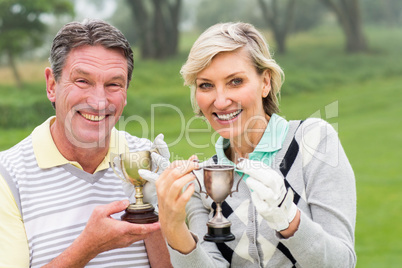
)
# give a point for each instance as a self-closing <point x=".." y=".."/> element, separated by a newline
<point x="177" y="163"/>
<point x="112" y="208"/>
<point x="161" y="146"/>
<point x="264" y="193"/>
<point x="177" y="186"/>
<point x="148" y="175"/>
<point x="261" y="207"/>
<point x="260" y="171"/>
<point x="142" y="229"/>
<point x="171" y="174"/>
<point x="186" y="195"/>
<point x="184" y="166"/>
<point x="176" y="209"/>
<point x="161" y="161"/>
<point x="252" y="167"/>
<point x="149" y="192"/>
<point x="193" y="158"/>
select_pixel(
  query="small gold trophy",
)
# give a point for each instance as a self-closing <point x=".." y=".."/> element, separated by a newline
<point x="126" y="167"/>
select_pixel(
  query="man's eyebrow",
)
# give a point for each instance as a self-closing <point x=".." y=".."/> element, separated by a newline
<point x="119" y="77"/>
<point x="83" y="72"/>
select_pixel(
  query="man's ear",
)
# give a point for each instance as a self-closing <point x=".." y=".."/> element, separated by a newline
<point x="50" y="85"/>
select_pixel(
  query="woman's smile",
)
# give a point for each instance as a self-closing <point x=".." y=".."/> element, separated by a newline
<point x="226" y="117"/>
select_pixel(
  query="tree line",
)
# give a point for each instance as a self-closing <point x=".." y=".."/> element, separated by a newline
<point x="156" y="23"/>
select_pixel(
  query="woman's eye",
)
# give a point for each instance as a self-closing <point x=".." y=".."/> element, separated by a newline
<point x="236" y="81"/>
<point x="205" y="85"/>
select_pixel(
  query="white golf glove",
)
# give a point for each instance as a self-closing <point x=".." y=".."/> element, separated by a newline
<point x="159" y="163"/>
<point x="268" y="192"/>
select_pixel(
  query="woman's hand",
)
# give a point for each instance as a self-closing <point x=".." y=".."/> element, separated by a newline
<point x="172" y="200"/>
<point x="270" y="196"/>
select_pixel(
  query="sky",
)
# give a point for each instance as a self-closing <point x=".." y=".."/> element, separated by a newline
<point x="87" y="9"/>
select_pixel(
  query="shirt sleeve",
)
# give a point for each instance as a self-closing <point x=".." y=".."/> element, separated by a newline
<point x="14" y="251"/>
<point x="206" y="254"/>
<point x="327" y="237"/>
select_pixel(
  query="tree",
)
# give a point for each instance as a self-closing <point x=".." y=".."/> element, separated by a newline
<point x="157" y="23"/>
<point x="386" y="12"/>
<point x="225" y="11"/>
<point x="349" y="18"/>
<point x="279" y="19"/>
<point x="21" y="27"/>
<point x="308" y="15"/>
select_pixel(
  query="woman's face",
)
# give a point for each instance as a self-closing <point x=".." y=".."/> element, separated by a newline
<point x="229" y="93"/>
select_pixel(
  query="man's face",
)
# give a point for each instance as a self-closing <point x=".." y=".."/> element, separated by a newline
<point x="90" y="96"/>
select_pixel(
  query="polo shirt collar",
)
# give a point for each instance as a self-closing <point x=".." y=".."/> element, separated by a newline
<point x="48" y="156"/>
<point x="271" y="141"/>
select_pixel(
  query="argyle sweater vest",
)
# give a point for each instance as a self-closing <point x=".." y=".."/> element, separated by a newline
<point x="56" y="203"/>
<point x="284" y="167"/>
<point x="314" y="165"/>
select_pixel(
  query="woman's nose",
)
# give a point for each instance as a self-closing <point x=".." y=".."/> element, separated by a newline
<point x="222" y="100"/>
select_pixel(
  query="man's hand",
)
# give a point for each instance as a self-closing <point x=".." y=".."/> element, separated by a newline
<point x="107" y="233"/>
<point x="103" y="233"/>
<point x="270" y="197"/>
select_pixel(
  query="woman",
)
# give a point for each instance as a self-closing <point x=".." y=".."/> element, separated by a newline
<point x="296" y="204"/>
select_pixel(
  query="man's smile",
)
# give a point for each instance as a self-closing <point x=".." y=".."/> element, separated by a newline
<point x="92" y="117"/>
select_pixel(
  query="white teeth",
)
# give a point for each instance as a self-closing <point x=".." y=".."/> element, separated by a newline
<point x="92" y="117"/>
<point x="228" y="116"/>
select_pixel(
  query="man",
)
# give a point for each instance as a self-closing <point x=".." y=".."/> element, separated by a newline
<point x="60" y="200"/>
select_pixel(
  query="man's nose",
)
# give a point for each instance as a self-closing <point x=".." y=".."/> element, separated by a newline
<point x="97" y="98"/>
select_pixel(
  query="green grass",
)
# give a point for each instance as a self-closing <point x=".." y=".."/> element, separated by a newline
<point x="361" y="93"/>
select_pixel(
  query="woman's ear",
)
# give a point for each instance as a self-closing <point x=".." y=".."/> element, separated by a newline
<point x="50" y="85"/>
<point x="266" y="76"/>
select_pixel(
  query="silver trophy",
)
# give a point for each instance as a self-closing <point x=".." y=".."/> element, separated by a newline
<point x="218" y="183"/>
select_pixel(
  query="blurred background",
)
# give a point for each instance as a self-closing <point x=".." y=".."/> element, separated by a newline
<point x="342" y="61"/>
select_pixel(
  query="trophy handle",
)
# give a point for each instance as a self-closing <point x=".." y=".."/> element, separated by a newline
<point x="237" y="186"/>
<point x="199" y="184"/>
<point x="112" y="158"/>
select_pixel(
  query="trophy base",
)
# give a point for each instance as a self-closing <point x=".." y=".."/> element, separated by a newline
<point x="140" y="215"/>
<point x="219" y="235"/>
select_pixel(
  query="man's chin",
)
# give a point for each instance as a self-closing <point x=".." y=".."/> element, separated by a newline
<point x="89" y="142"/>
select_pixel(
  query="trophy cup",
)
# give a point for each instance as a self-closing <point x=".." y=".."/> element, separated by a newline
<point x="218" y="183"/>
<point x="126" y="168"/>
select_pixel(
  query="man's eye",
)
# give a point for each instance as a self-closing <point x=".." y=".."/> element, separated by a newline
<point x="236" y="81"/>
<point x="115" y="86"/>
<point x="82" y="81"/>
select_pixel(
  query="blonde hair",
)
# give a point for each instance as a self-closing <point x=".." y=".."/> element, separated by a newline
<point x="224" y="37"/>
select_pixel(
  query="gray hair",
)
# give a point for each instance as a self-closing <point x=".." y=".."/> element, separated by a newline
<point x="89" y="32"/>
<point x="230" y="36"/>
